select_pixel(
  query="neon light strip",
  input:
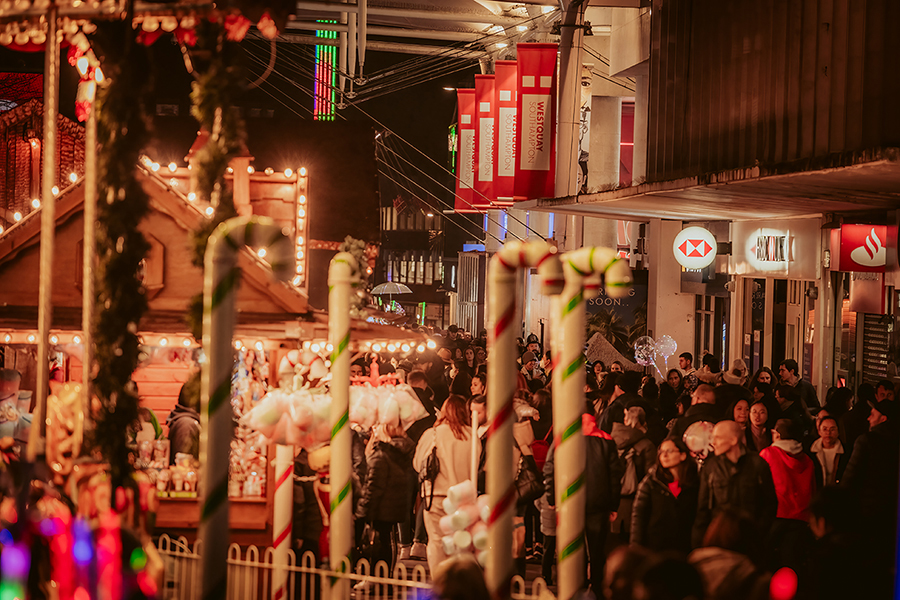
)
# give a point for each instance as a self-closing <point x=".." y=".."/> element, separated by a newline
<point x="325" y="78"/>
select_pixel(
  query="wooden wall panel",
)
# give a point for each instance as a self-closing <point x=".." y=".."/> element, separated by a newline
<point x="769" y="81"/>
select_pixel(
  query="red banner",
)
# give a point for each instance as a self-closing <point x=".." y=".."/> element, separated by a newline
<point x="505" y="96"/>
<point x="465" y="155"/>
<point x="536" y="122"/>
<point x="484" y="141"/>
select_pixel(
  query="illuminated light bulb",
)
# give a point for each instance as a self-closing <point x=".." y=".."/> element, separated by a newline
<point x="296" y="280"/>
<point x="429" y="215"/>
<point x="522" y="27"/>
<point x="173" y="167"/>
<point x="73" y="177"/>
<point x="163" y="341"/>
<point x="302" y="199"/>
<point x="420" y="349"/>
<point x="432" y="344"/>
<point x="258" y="345"/>
<point x="299" y="239"/>
<point x="238" y="344"/>
<point x="306" y="345"/>
<point x="269" y="171"/>
<point x="301" y="213"/>
<point x="261" y="253"/>
<point x="186" y="342"/>
<point x="376" y="347"/>
<point x="209" y="211"/>
<point x="54" y="339"/>
<point x="302" y="171"/>
<point x="405" y="347"/>
<point x="154" y="167"/>
<point x="76" y="339"/>
<point x="502" y="45"/>
<point x="251" y="170"/>
<point x="55" y="190"/>
<point x="288" y="172"/>
<point x="330" y="347"/>
<point x="145" y="160"/>
<point x="17" y="216"/>
<point x="34" y="143"/>
<point x="98" y="75"/>
<point x="173" y="182"/>
<point x="1" y="229"/>
<point x="7" y="338"/>
<point x="190" y="166"/>
<point x="299" y="254"/>
<point x="314" y="347"/>
<point x="391" y="348"/>
<point x="192" y="196"/>
<point x="35" y="203"/>
<point x="31" y="338"/>
<point x="368" y="270"/>
<point x="299" y="268"/>
<point x="328" y="363"/>
<point x="83" y="64"/>
<point x="230" y="170"/>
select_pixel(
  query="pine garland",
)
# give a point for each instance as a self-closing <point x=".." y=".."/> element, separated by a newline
<point x="214" y="96"/>
<point x="122" y="128"/>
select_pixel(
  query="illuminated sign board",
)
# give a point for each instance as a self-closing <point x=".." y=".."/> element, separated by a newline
<point x="695" y="248"/>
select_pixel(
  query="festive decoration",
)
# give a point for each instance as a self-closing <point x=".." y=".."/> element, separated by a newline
<point x="582" y="269"/>
<point x="357" y="249"/>
<point x="666" y="347"/>
<point x="502" y="279"/>
<point x="647" y="350"/>
<point x="465" y="523"/>
<point x="122" y="130"/>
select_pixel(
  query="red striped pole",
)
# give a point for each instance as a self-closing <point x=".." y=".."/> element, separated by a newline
<point x="282" y="517"/>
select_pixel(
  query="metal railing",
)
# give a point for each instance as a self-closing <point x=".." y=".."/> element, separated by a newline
<point x="250" y="572"/>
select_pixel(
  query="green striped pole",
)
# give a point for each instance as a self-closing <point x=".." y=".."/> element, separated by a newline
<point x="221" y="276"/>
<point x="581" y="268"/>
<point x="340" y="534"/>
<point x="503" y="322"/>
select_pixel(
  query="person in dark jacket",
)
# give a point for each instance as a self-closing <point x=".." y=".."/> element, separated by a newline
<point x="666" y="502"/>
<point x="603" y="483"/>
<point x="792" y="408"/>
<point x="828" y="454"/>
<point x="184" y="421"/>
<point x="418" y="381"/>
<point x="872" y="475"/>
<point x="839" y="560"/>
<point x="386" y="498"/>
<point x="627" y="386"/>
<point x="703" y="408"/>
<point x="734" y="478"/>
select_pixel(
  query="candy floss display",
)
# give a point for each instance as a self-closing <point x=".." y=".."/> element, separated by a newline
<point x="465" y="524"/>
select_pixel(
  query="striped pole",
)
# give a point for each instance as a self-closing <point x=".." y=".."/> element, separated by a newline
<point x="340" y="534"/>
<point x="582" y="269"/>
<point x="221" y="276"/>
<point x="503" y="322"/>
<point x="282" y="517"/>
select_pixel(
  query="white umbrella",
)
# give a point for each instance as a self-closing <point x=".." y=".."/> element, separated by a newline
<point x="390" y="288"/>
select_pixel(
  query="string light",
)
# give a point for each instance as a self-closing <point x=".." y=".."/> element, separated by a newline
<point x="302" y="199"/>
<point x="238" y="344"/>
<point x="187" y="342"/>
<point x="98" y="75"/>
<point x="296" y="280"/>
<point x="173" y="167"/>
<point x="306" y="345"/>
<point x="31" y="338"/>
<point x="314" y="348"/>
<point x="163" y="341"/>
<point x="261" y="253"/>
<point x="7" y="338"/>
<point x="54" y="339"/>
<point x="230" y="170"/>
<point x="17" y="216"/>
<point x="154" y="167"/>
<point x="376" y="347"/>
<point x="420" y="349"/>
<point x="55" y="190"/>
<point x="302" y="171"/>
<point x="432" y="344"/>
<point x="209" y="211"/>
<point x="251" y="170"/>
<point x="35" y="204"/>
<point x="288" y="172"/>
<point x="269" y="170"/>
<point x="391" y="348"/>
<point x="405" y="347"/>
<point x="192" y="196"/>
<point x="76" y="339"/>
<point x="73" y="177"/>
<point x="329" y="347"/>
<point x="259" y="345"/>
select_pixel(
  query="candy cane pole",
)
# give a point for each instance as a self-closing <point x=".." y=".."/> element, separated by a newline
<point x="221" y="276"/>
<point x="582" y="269"/>
<point x="281" y="519"/>
<point x="340" y="282"/>
<point x="501" y="385"/>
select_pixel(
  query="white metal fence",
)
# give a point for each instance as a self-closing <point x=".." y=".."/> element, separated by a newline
<point x="250" y="576"/>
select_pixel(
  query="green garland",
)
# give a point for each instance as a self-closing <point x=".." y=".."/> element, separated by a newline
<point x="214" y="95"/>
<point x="122" y="127"/>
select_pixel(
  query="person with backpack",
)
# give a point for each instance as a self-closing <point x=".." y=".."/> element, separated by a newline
<point x="637" y="454"/>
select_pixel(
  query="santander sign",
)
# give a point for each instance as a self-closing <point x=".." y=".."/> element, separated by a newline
<point x="862" y="248"/>
<point x="695" y="248"/>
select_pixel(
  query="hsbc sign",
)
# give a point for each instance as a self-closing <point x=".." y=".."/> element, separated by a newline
<point x="695" y="248"/>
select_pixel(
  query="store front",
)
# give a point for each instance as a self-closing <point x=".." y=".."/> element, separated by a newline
<point x="777" y="273"/>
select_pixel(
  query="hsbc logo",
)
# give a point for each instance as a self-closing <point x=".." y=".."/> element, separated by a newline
<point x="695" y="248"/>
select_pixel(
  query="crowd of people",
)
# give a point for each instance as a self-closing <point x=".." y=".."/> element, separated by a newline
<point x="795" y="489"/>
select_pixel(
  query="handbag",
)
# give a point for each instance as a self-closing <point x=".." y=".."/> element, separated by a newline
<point x="371" y="541"/>
<point x="430" y="474"/>
<point x="529" y="484"/>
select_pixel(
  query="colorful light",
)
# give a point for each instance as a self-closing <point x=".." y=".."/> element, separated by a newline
<point x="325" y="77"/>
<point x="783" y="585"/>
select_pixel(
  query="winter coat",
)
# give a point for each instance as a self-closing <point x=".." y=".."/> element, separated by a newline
<point x="614" y="413"/>
<point x="307" y="523"/>
<point x="697" y="412"/>
<point x="661" y="521"/>
<point x="602" y="475"/>
<point x="644" y="451"/>
<point x="793" y="474"/>
<point x="796" y="413"/>
<point x="184" y="432"/>
<point x="872" y="473"/>
<point x="416" y="430"/>
<point x="390" y="479"/>
<point x="841" y="458"/>
<point x="454" y="456"/>
<point x="808" y="398"/>
<point x="548" y="514"/>
<point x="728" y="575"/>
<point x="746" y="484"/>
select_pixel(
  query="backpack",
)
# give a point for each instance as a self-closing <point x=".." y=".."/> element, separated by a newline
<point x="540" y="448"/>
<point x="633" y="471"/>
<point x="429" y="475"/>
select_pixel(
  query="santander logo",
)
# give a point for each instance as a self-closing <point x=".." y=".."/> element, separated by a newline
<point x="872" y="253"/>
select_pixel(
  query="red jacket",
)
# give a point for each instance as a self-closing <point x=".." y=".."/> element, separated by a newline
<point x="794" y="478"/>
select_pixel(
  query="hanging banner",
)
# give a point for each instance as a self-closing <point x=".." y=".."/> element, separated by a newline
<point x="484" y="141"/>
<point x="536" y="122"/>
<point x="505" y="98"/>
<point x="465" y="156"/>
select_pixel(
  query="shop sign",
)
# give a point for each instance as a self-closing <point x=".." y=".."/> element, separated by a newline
<point x="867" y="293"/>
<point x="790" y="249"/>
<point x="695" y="248"/>
<point x="863" y="248"/>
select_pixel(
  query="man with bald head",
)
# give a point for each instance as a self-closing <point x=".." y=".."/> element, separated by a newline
<point x="734" y="478"/>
